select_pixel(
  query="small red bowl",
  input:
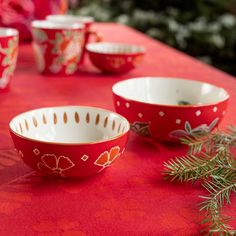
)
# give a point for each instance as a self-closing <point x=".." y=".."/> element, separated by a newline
<point x="166" y="109"/>
<point x="115" y="57"/>
<point x="70" y="141"/>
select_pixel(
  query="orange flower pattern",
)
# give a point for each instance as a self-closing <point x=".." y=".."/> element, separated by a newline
<point x="9" y="61"/>
<point x="116" y="62"/>
<point x="68" y="46"/>
<point x="107" y="158"/>
<point x="57" y="165"/>
<point x="52" y="164"/>
<point x="137" y="60"/>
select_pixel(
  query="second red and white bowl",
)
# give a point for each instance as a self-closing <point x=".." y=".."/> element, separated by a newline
<point x="167" y="109"/>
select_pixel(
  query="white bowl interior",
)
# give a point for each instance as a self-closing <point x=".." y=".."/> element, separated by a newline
<point x="71" y="124"/>
<point x="45" y="24"/>
<point x="114" y="48"/>
<point x="5" y="32"/>
<point x="70" y="19"/>
<point x="169" y="91"/>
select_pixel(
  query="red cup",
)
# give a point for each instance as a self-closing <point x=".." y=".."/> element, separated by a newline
<point x="87" y="21"/>
<point x="8" y="55"/>
<point x="57" y="46"/>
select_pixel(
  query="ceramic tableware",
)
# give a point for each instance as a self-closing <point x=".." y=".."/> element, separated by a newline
<point x="115" y="57"/>
<point x="57" y="47"/>
<point x="70" y="141"/>
<point x="87" y="21"/>
<point x="8" y="55"/>
<point x="167" y="109"/>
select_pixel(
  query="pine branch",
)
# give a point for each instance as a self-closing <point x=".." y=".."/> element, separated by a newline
<point x="211" y="159"/>
<point x="219" y="194"/>
<point x="220" y="191"/>
<point x="197" y="143"/>
<point x="210" y="142"/>
<point x="192" y="167"/>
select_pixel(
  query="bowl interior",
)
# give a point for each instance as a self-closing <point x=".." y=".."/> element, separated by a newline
<point x="114" y="48"/>
<point x="69" y="125"/>
<point x="169" y="91"/>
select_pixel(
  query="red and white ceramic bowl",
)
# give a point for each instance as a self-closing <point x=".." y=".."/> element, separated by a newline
<point x="70" y="141"/>
<point x="115" y="57"/>
<point x="167" y="109"/>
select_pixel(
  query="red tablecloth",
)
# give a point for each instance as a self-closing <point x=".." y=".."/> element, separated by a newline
<point x="130" y="198"/>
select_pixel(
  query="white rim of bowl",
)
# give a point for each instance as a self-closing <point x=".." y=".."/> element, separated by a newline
<point x="45" y="24"/>
<point x="75" y="143"/>
<point x="70" y="18"/>
<point x="169" y="105"/>
<point x="140" y="49"/>
<point x="7" y="32"/>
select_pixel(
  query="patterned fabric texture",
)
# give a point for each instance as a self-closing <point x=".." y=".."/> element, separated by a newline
<point x="129" y="198"/>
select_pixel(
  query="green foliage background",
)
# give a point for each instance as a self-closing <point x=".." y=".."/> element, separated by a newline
<point x="205" y="29"/>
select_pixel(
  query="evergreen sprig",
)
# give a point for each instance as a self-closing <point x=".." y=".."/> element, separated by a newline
<point x="211" y="160"/>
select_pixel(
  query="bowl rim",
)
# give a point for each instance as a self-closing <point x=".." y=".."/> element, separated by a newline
<point x="71" y="143"/>
<point x="169" y="105"/>
<point x="140" y="47"/>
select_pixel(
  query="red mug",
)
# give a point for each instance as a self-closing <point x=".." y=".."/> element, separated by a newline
<point x="8" y="55"/>
<point x="87" y="21"/>
<point x="57" y="46"/>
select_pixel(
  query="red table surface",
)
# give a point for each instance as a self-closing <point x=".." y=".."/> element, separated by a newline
<point x="130" y="198"/>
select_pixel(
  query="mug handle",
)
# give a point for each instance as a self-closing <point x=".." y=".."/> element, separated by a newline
<point x="98" y="37"/>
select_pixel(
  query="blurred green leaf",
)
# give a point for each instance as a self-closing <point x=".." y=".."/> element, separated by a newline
<point x="205" y="29"/>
